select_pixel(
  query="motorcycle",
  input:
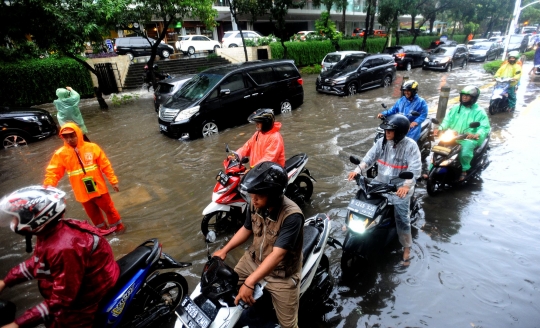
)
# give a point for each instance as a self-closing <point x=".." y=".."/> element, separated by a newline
<point x="225" y="210"/>
<point x="424" y="142"/>
<point x="143" y="295"/>
<point x="370" y="221"/>
<point x="212" y="302"/>
<point x="446" y="167"/>
<point x="499" y="96"/>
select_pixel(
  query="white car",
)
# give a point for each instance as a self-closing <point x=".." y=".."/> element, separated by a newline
<point x="332" y="58"/>
<point x="303" y="34"/>
<point x="191" y="43"/>
<point x="233" y="39"/>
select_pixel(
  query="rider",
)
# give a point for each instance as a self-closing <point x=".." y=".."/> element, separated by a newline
<point x="458" y="119"/>
<point x="511" y="68"/>
<point x="148" y="75"/>
<point x="410" y="101"/>
<point x="73" y="264"/>
<point x="396" y="153"/>
<point x="275" y="254"/>
<point x="266" y="144"/>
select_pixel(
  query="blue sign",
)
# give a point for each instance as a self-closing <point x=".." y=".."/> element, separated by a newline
<point x="109" y="44"/>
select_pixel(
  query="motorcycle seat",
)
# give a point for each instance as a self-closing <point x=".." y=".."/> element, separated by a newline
<point x="311" y="235"/>
<point x="294" y="161"/>
<point x="131" y="263"/>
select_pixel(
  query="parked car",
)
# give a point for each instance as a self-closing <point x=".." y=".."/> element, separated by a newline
<point x="357" y="72"/>
<point x="379" y="33"/>
<point x="519" y="42"/>
<point x="447" y="57"/>
<point x="189" y="44"/>
<point x="529" y="29"/>
<point x="474" y="41"/>
<point x="225" y="96"/>
<point x="483" y="51"/>
<point x="439" y="43"/>
<point x="136" y="46"/>
<point x="360" y="32"/>
<point x="333" y="58"/>
<point x="20" y="126"/>
<point x="407" y="56"/>
<point x="404" y="33"/>
<point x="303" y="34"/>
<point x="233" y="39"/>
<point x="166" y="88"/>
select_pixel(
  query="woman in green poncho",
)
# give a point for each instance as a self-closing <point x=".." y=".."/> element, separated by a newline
<point x="67" y="106"/>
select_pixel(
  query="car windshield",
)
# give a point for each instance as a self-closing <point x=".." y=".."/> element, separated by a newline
<point x="332" y="59"/>
<point x="184" y="38"/>
<point x="481" y="46"/>
<point x="228" y="34"/>
<point x="197" y="87"/>
<point x="443" y="51"/>
<point x="349" y="63"/>
<point x="516" y="38"/>
<point x="165" y="88"/>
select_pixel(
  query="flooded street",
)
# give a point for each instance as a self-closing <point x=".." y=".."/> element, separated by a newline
<point x="476" y="252"/>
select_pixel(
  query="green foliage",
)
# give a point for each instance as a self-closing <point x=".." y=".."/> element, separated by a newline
<point x="493" y="66"/>
<point x="250" y="43"/>
<point x="212" y="56"/>
<point x="530" y="55"/>
<point x="266" y="40"/>
<point x="22" y="51"/>
<point x="123" y="99"/>
<point x="33" y="82"/>
<point x="315" y="69"/>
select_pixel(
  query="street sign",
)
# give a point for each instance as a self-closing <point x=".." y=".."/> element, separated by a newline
<point x="109" y="45"/>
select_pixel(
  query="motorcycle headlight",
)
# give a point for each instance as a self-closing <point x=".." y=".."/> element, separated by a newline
<point x="359" y="223"/>
<point x="447" y="162"/>
<point x="186" y="114"/>
<point x="448" y="136"/>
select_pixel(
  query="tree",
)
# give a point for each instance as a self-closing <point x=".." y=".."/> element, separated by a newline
<point x="278" y="12"/>
<point x="370" y="17"/>
<point x="328" y="6"/>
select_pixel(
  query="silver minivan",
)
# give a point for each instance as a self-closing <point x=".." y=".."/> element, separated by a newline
<point x="332" y="58"/>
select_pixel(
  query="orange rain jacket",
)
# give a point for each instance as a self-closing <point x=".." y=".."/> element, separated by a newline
<point x="265" y="146"/>
<point x="94" y="161"/>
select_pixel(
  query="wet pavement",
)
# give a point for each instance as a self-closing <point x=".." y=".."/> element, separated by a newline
<point x="475" y="249"/>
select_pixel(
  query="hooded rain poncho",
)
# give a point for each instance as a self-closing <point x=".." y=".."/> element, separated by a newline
<point x="67" y="106"/>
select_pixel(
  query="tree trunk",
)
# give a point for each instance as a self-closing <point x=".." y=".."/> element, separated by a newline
<point x="343" y="18"/>
<point x="97" y="89"/>
<point x="366" y="32"/>
<point x="233" y="13"/>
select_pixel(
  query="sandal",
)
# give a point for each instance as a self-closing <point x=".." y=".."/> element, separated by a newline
<point x="462" y="176"/>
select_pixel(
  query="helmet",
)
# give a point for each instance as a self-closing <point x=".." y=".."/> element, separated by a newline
<point x="34" y="207"/>
<point x="472" y="91"/>
<point x="410" y="85"/>
<point x="399" y="123"/>
<point x="514" y="54"/>
<point x="265" y="116"/>
<point x="217" y="279"/>
<point x="155" y="67"/>
<point x="266" y="178"/>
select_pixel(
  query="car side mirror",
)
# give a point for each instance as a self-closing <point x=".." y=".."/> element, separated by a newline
<point x="225" y="92"/>
<point x="354" y="159"/>
<point x="474" y="125"/>
<point x="406" y="175"/>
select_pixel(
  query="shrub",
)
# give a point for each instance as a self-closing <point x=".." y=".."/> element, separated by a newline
<point x="530" y="55"/>
<point x="34" y="81"/>
<point x="492" y="66"/>
<point x="315" y="69"/>
<point x="126" y="98"/>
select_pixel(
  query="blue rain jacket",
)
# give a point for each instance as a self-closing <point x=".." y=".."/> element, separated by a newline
<point x="405" y="106"/>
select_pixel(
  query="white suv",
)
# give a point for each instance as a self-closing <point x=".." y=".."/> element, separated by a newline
<point x="191" y="43"/>
<point x="233" y="39"/>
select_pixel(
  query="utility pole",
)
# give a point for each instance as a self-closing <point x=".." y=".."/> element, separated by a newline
<point x="514" y="24"/>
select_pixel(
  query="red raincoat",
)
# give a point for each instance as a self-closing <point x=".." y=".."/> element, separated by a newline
<point x="75" y="268"/>
<point x="265" y="146"/>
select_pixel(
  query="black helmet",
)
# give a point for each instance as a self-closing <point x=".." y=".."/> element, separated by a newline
<point x="410" y="85"/>
<point x="265" y="116"/>
<point x="217" y="279"/>
<point x="266" y="178"/>
<point x="399" y="123"/>
<point x="155" y="67"/>
<point x="472" y="91"/>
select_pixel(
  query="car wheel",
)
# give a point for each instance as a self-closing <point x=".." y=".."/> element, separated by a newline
<point x="448" y="67"/>
<point x="232" y="45"/>
<point x="386" y="81"/>
<point x="286" y="106"/>
<point x="409" y="66"/>
<point x="352" y="88"/>
<point x="13" y="140"/>
<point x="209" y="129"/>
<point x="191" y="51"/>
<point x="165" y="54"/>
<point x="216" y="48"/>
<point x="130" y="55"/>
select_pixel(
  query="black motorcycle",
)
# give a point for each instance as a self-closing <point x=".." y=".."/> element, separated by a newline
<point x="370" y="221"/>
<point x="446" y="168"/>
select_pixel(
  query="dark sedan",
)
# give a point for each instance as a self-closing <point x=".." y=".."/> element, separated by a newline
<point x="407" y="56"/>
<point x="446" y="58"/>
<point x="19" y="126"/>
<point x="483" y="51"/>
<point x="167" y="87"/>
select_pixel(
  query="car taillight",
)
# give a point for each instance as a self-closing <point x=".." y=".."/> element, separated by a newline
<point x="400" y="56"/>
<point x="395" y="64"/>
<point x="115" y="48"/>
<point x="300" y="81"/>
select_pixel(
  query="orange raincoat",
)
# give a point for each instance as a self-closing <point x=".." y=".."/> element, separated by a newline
<point x="265" y="146"/>
<point x="92" y="157"/>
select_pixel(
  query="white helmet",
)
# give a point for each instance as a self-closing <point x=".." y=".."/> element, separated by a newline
<point x="514" y="54"/>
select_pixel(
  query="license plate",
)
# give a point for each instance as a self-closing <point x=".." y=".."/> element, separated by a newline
<point x="191" y="315"/>
<point x="326" y="87"/>
<point x="222" y="178"/>
<point x="162" y="128"/>
<point x="363" y="208"/>
<point x="431" y="63"/>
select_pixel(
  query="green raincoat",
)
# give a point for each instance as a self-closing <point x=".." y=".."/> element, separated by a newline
<point x="67" y="106"/>
<point x="458" y="120"/>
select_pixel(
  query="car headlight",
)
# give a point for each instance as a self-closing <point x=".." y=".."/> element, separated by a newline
<point x="426" y="59"/>
<point x="445" y="60"/>
<point x="186" y="114"/>
<point x="340" y="79"/>
<point x="28" y="118"/>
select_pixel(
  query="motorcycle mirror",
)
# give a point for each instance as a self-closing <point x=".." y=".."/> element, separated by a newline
<point x="245" y="160"/>
<point x="354" y="159"/>
<point x="415" y="113"/>
<point x="434" y="120"/>
<point x="210" y="237"/>
<point x="227" y="150"/>
<point x="406" y="175"/>
<point x="474" y="125"/>
<point x="383" y="105"/>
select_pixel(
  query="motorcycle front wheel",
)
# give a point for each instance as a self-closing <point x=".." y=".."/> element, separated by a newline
<point x="164" y="291"/>
<point x="219" y="222"/>
<point x="431" y="186"/>
<point x="300" y="190"/>
<point x="496" y="106"/>
<point x="349" y="262"/>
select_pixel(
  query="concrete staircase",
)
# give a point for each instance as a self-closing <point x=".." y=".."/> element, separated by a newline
<point x="174" y="67"/>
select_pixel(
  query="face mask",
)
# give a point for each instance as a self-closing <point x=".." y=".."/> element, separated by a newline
<point x="512" y="61"/>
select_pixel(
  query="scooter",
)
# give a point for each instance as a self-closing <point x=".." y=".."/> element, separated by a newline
<point x="424" y="142"/>
<point x="446" y="167"/>
<point x="370" y="221"/>
<point x="211" y="305"/>
<point x="143" y="295"/>
<point x="499" y="96"/>
<point x="225" y="210"/>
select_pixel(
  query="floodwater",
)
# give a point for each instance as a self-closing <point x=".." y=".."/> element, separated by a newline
<point x="476" y="251"/>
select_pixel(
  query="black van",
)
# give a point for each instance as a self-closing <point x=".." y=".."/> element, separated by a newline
<point x="138" y="46"/>
<point x="225" y="96"/>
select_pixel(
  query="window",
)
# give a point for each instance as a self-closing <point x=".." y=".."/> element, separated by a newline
<point x="369" y="63"/>
<point x="286" y="71"/>
<point x="233" y="83"/>
<point x="262" y="75"/>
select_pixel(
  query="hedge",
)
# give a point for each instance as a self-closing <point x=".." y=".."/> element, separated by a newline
<point x="34" y="81"/>
<point x="313" y="52"/>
